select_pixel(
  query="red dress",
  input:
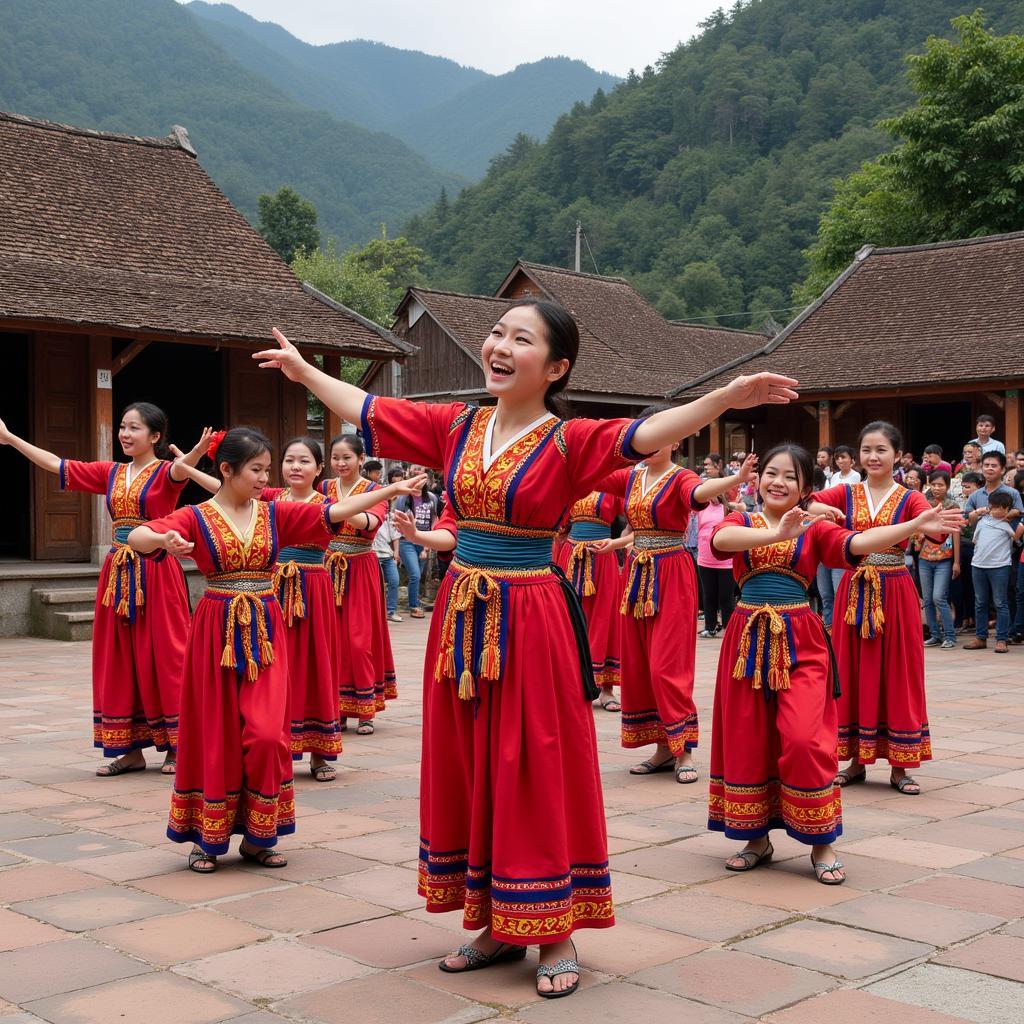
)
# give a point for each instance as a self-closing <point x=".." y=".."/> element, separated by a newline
<point x="365" y="664"/>
<point x="876" y="632"/>
<point x="596" y="579"/>
<point x="306" y="596"/>
<point x="773" y="753"/>
<point x="512" y="820"/>
<point x="234" y="756"/>
<point x="142" y="613"/>
<point x="659" y="611"/>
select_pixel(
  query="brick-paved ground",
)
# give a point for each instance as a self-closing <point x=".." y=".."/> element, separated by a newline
<point x="99" y="921"/>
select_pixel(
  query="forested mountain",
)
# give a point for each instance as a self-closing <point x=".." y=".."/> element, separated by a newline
<point x="702" y="180"/>
<point x="139" y="66"/>
<point x="457" y="117"/>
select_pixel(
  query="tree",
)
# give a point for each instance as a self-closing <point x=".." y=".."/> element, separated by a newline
<point x="396" y="260"/>
<point x="288" y="223"/>
<point x="346" y="280"/>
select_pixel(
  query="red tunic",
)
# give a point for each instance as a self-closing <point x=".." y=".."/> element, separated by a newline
<point x="234" y="756"/>
<point x="365" y="664"/>
<point x="876" y="632"/>
<point x="773" y="756"/>
<point x="142" y="612"/>
<point x="596" y="579"/>
<point x="659" y="611"/>
<point x="512" y="820"/>
<point x="306" y="596"/>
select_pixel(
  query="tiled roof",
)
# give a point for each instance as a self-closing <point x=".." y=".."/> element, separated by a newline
<point x="468" y="318"/>
<point x="942" y="314"/>
<point x="130" y="233"/>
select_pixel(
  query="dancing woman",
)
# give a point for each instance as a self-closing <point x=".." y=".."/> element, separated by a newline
<point x="512" y="820"/>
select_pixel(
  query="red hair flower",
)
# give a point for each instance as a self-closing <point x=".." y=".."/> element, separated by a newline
<point x="214" y="446"/>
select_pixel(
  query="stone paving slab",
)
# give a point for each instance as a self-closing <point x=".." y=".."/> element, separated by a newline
<point x="100" y="921"/>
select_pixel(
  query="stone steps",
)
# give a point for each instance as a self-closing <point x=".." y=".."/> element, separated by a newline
<point x="64" y="613"/>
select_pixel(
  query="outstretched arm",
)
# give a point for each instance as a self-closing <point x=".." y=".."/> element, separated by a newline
<point x="743" y="538"/>
<point x="40" y="456"/>
<point x="934" y="522"/>
<point x="351" y="506"/>
<point x="185" y="461"/>
<point x="188" y="469"/>
<point x="146" y="541"/>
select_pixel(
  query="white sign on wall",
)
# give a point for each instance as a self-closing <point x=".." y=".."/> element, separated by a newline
<point x="104" y="380"/>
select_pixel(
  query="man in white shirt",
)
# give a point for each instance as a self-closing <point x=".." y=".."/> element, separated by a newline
<point x="844" y="472"/>
<point x="986" y="427"/>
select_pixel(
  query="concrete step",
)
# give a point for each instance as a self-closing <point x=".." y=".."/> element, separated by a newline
<point x="71" y="626"/>
<point x="63" y="613"/>
<point x="84" y="595"/>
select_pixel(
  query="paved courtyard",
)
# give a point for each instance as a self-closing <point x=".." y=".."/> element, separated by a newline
<point x="99" y="921"/>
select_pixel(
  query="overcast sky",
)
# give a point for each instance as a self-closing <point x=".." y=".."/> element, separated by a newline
<point x="498" y="36"/>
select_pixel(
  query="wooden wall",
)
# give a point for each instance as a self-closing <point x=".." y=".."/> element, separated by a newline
<point x="440" y="367"/>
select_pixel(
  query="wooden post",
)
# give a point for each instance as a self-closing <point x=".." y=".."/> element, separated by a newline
<point x="826" y="430"/>
<point x="1014" y="426"/>
<point x="101" y="429"/>
<point x="717" y="436"/>
<point x="332" y="421"/>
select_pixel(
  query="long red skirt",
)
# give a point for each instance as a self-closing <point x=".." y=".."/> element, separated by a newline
<point x="882" y="712"/>
<point x="312" y="671"/>
<point x="511" y="815"/>
<point x="602" y="612"/>
<point x="137" y="667"/>
<point x="773" y="762"/>
<point x="658" y="662"/>
<point x="365" y="665"/>
<point x="234" y="759"/>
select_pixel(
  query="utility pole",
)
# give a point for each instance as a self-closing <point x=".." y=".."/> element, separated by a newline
<point x="579" y="232"/>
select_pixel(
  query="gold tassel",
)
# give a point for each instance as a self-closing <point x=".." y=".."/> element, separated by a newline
<point x="227" y="658"/>
<point x="589" y="590"/>
<point x="467" y="686"/>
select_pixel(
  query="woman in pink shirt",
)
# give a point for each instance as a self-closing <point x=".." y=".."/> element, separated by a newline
<point x="716" y="580"/>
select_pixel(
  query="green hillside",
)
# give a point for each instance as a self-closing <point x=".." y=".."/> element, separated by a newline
<point x="703" y="180"/>
<point x="139" y="66"/>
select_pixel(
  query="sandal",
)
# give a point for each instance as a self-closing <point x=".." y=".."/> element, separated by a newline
<point x="417" y="613"/>
<point x="903" y="784"/>
<point x="757" y="859"/>
<point x="169" y="767"/>
<point x="685" y="774"/>
<point x="365" y="729"/>
<point x="476" y="961"/>
<point x="847" y="777"/>
<point x="650" y="768"/>
<point x="564" y="966"/>
<point x="323" y="772"/>
<point x="197" y="858"/>
<point x="820" y="867"/>
<point x="117" y="767"/>
<point x="610" y="703"/>
<point x="263" y="857"/>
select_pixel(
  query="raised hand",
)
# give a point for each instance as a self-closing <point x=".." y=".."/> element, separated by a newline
<point x="176" y="545"/>
<point x="198" y="449"/>
<point x="760" y="389"/>
<point x="748" y="471"/>
<point x="795" y="522"/>
<point x="286" y="358"/>
<point x="405" y="524"/>
<point x="411" y="485"/>
<point x="940" y="520"/>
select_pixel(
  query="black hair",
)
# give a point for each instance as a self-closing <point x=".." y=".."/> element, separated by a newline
<point x="156" y="423"/>
<point x="650" y="410"/>
<point x="563" y="338"/>
<point x="933" y="449"/>
<point x="892" y="435"/>
<point x="802" y="463"/>
<point x="820" y="482"/>
<point x="312" y="445"/>
<point x="825" y="448"/>
<point x="972" y="444"/>
<point x="914" y="469"/>
<point x="238" y="446"/>
<point x="985" y="418"/>
<point x="998" y="456"/>
<point x="938" y="474"/>
<point x="395" y="473"/>
<point x="716" y="458"/>
<point x="372" y="466"/>
<point x="1000" y="499"/>
<point x="1018" y="480"/>
<point x="973" y="478"/>
<point x="843" y="449"/>
<point x="354" y="441"/>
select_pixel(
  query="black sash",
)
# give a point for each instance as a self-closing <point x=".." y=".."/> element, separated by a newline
<point x="579" y="628"/>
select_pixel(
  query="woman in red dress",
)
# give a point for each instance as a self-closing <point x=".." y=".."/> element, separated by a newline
<point x="365" y="665"/>
<point x="596" y="578"/>
<point x="876" y="624"/>
<point x="512" y="820"/>
<point x="234" y="757"/>
<point x="773" y="752"/>
<point x="658" y="620"/>
<point x="138" y="643"/>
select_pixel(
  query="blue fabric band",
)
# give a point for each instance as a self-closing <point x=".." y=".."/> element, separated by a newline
<point x="305" y="556"/>
<point x="498" y="551"/>
<point x="772" y="588"/>
<point x="590" y="531"/>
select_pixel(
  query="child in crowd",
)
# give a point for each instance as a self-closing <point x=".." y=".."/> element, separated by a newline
<point x="962" y="591"/>
<point x="844" y="473"/>
<point x="938" y="566"/>
<point x="986" y="427"/>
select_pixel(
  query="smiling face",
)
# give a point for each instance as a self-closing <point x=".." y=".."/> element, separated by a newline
<point x="249" y="481"/>
<point x="780" y="486"/>
<point x="913" y="481"/>
<point x="972" y="453"/>
<point x="299" y="467"/>
<point x="939" y="488"/>
<point x="844" y="463"/>
<point x="516" y="357"/>
<point x="991" y="470"/>
<point x="985" y="430"/>
<point x="345" y="462"/>
<point x="878" y="456"/>
<point x="137" y="440"/>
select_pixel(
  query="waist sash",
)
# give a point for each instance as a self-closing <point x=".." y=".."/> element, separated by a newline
<point x="338" y="554"/>
<point x="126" y="584"/>
<point x="290" y="579"/>
<point x="248" y="633"/>
<point x="643" y="587"/>
<point x="865" y="603"/>
<point x="589" y="529"/>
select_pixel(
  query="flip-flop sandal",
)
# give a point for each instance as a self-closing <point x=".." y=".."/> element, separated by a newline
<point x="650" y="768"/>
<point x="611" y="704"/>
<point x="902" y="785"/>
<point x="323" y="773"/>
<point x="168" y="767"/>
<point x="820" y="867"/>
<point x="848" y="778"/>
<point x="751" y="858"/>
<point x="197" y="857"/>
<point x="263" y="857"/>
<point x="365" y="729"/>
<point x="568" y="965"/>
<point x="477" y="961"/>
<point x="116" y="768"/>
<point x="688" y="771"/>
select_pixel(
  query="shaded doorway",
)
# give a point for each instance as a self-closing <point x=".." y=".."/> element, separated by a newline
<point x="15" y="386"/>
<point x="945" y="423"/>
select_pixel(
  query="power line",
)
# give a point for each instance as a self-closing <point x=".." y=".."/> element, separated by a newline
<point x="591" y="251"/>
<point x="744" y="312"/>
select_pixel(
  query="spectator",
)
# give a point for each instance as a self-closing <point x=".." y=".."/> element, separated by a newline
<point x="938" y="566"/>
<point x="395" y="473"/>
<point x="844" y="471"/>
<point x="424" y="509"/>
<point x="373" y="470"/>
<point x="823" y="460"/>
<point x="986" y="427"/>
<point x="713" y="465"/>
<point x="993" y="466"/>
<point x="993" y="543"/>
<point x="933" y="459"/>
<point x="1014" y="467"/>
<point x="716" y="581"/>
<point x="906" y="461"/>
<point x="913" y="478"/>
<point x="963" y="587"/>
<point x="971" y="464"/>
<point x="385" y="547"/>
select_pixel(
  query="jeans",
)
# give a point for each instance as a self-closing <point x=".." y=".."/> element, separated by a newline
<point x="1018" y="626"/>
<point x="935" y="580"/>
<point x="389" y="569"/>
<point x="990" y="584"/>
<point x="410" y="555"/>
<point x="827" y="593"/>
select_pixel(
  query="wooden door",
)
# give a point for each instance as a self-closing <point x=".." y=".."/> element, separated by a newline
<point x="61" y="520"/>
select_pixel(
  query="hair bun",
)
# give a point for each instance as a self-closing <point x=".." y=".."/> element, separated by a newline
<point x="214" y="445"/>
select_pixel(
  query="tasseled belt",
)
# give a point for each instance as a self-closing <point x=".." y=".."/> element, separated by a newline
<point x="580" y="567"/>
<point x="126" y="584"/>
<point x="766" y="648"/>
<point x="866" y="598"/>
<point x="642" y="590"/>
<point x="473" y="633"/>
<point x="248" y="634"/>
<point x="338" y="554"/>
<point x="290" y="579"/>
